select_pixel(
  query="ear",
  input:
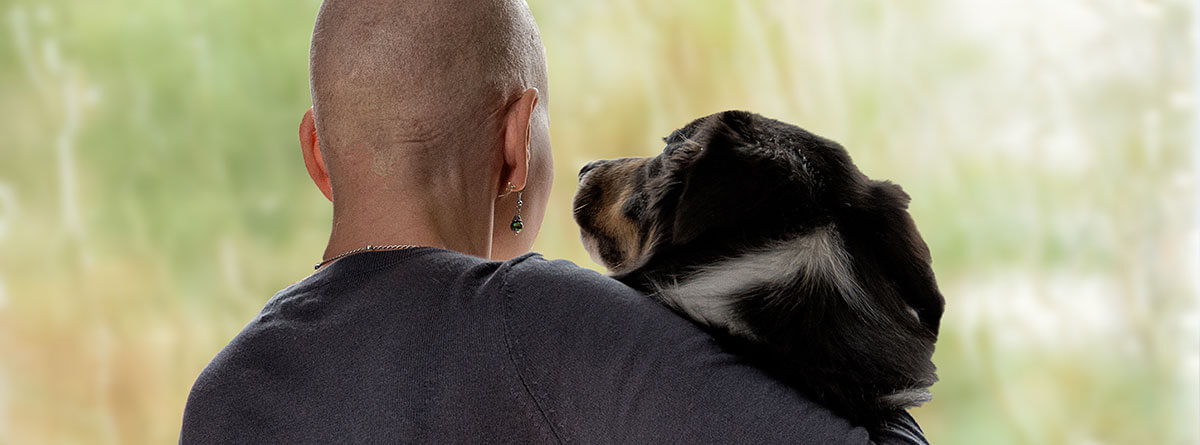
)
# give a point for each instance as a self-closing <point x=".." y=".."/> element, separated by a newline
<point x="518" y="125"/>
<point x="892" y="240"/>
<point x="726" y="182"/>
<point x="310" y="146"/>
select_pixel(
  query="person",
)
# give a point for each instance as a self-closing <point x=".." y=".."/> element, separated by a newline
<point x="429" y="128"/>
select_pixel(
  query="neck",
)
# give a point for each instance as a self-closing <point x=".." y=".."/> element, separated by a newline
<point x="452" y="221"/>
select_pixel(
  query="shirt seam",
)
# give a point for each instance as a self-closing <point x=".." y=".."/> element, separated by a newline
<point x="317" y="286"/>
<point x="513" y="355"/>
<point x="368" y="269"/>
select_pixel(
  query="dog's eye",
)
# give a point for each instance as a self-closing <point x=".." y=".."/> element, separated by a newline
<point x="634" y="207"/>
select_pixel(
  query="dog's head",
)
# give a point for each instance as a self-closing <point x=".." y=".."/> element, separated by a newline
<point x="735" y="184"/>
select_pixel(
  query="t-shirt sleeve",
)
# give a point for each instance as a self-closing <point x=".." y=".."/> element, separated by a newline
<point x="605" y="363"/>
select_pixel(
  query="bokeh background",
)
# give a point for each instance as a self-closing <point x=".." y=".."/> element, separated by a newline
<point x="153" y="197"/>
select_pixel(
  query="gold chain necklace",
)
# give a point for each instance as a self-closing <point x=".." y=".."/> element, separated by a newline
<point x="364" y="249"/>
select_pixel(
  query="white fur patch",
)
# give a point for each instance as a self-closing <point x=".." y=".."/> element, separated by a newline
<point x="707" y="295"/>
<point x="907" y="398"/>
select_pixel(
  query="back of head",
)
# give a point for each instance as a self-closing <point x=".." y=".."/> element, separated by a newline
<point x="413" y="87"/>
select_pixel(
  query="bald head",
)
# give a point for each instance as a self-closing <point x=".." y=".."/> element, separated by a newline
<point x="409" y="85"/>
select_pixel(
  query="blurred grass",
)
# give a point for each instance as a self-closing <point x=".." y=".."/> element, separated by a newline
<point x="152" y="196"/>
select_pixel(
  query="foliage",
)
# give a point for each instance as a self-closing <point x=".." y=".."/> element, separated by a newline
<point x="152" y="194"/>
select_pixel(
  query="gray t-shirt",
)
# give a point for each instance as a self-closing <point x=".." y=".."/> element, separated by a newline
<point x="429" y="345"/>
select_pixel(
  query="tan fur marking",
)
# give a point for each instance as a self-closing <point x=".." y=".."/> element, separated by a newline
<point x="618" y="181"/>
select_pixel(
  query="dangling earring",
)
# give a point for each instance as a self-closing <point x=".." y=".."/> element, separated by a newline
<point x="517" y="224"/>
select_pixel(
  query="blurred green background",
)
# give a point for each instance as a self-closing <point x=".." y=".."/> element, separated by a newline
<point x="152" y="194"/>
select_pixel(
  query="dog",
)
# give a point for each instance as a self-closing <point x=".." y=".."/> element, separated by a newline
<point x="771" y="238"/>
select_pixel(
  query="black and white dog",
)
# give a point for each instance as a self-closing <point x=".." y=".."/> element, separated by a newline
<point x="769" y="236"/>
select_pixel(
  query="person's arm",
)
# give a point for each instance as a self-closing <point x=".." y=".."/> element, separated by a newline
<point x="605" y="363"/>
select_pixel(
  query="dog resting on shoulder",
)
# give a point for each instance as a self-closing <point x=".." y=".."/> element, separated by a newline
<point x="769" y="237"/>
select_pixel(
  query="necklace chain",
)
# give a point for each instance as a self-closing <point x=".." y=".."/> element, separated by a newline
<point x="368" y="248"/>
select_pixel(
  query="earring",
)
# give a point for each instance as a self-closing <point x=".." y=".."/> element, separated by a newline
<point x="517" y="224"/>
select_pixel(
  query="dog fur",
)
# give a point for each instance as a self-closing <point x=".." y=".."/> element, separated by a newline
<point x="771" y="238"/>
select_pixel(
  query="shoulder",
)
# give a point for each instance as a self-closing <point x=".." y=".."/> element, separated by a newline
<point x="533" y="272"/>
<point x="558" y="296"/>
<point x="607" y="363"/>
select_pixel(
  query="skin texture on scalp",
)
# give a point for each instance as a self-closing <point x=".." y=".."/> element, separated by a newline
<point x="424" y="111"/>
<point x="415" y="79"/>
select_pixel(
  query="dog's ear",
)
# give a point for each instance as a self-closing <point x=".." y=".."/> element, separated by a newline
<point x="889" y="238"/>
<point x="726" y="180"/>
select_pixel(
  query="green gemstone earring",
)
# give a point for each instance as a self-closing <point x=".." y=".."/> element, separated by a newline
<point x="517" y="224"/>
